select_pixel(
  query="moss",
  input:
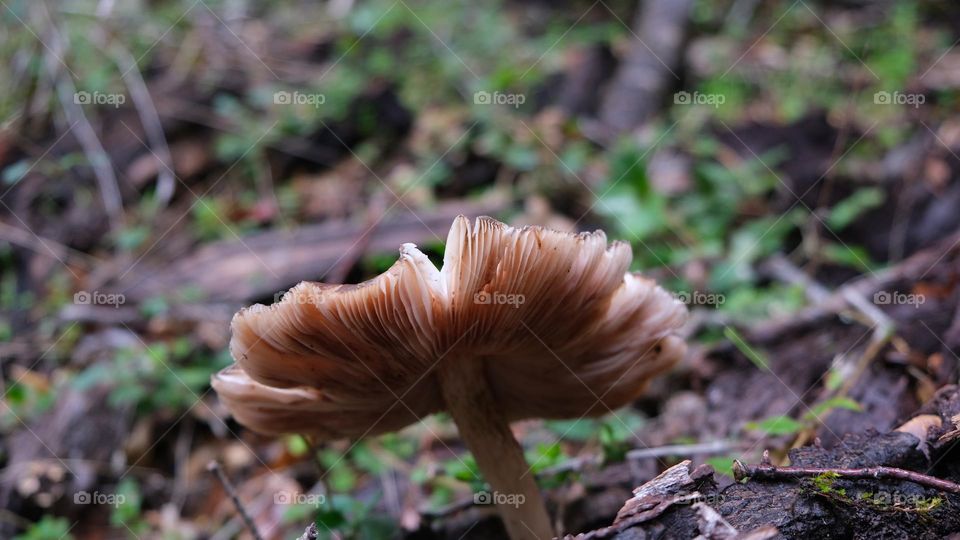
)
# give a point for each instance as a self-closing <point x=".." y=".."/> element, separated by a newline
<point x="824" y="485"/>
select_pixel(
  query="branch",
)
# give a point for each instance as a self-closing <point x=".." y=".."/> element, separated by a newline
<point x="80" y="125"/>
<point x="215" y="468"/>
<point x="772" y="472"/>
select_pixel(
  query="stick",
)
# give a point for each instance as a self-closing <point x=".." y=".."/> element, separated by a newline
<point x="215" y="468"/>
<point x="685" y="450"/>
<point x="912" y="268"/>
<point x="45" y="246"/>
<point x="147" y="111"/>
<point x="772" y="472"/>
<point x="87" y="137"/>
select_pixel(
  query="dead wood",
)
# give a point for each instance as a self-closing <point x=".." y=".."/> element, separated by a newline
<point x="251" y="268"/>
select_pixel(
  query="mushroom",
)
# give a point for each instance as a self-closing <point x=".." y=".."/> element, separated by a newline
<point x="519" y="323"/>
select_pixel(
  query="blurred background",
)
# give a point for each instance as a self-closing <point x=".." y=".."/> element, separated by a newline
<point x="163" y="163"/>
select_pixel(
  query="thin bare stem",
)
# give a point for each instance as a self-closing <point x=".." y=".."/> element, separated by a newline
<point x="772" y="472"/>
<point x="216" y="469"/>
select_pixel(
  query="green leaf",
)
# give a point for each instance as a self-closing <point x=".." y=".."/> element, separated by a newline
<point x="614" y="447"/>
<point x="342" y="478"/>
<point x="130" y="238"/>
<point x="521" y="158"/>
<point x="545" y="456"/>
<point x="331" y="519"/>
<point x="776" y="425"/>
<point x="297" y="445"/>
<point x="848" y="210"/>
<point x="154" y="306"/>
<point x="852" y="256"/>
<point x="48" y="528"/>
<point x="834" y="380"/>
<point x="582" y="429"/>
<point x="366" y="460"/>
<point x="752" y="354"/>
<point x="829" y="405"/>
<point x="722" y="464"/>
<point x="128" y="502"/>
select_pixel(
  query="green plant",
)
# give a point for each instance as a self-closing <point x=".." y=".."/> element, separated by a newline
<point x="786" y="425"/>
<point x="48" y="528"/>
<point x="126" y="514"/>
<point x="165" y="376"/>
<point x="354" y="519"/>
<point x="758" y="358"/>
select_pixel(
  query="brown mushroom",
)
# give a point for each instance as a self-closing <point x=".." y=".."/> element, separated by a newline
<point x="519" y="323"/>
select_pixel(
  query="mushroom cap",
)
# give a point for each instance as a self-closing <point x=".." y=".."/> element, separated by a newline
<point x="563" y="330"/>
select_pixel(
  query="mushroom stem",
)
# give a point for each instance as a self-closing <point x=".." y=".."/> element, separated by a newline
<point x="486" y="432"/>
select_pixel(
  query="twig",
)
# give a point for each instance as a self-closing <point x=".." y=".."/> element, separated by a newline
<point x="911" y="268"/>
<point x="772" y="472"/>
<point x="823" y="199"/>
<point x="181" y="456"/>
<point x="86" y="135"/>
<point x="215" y="468"/>
<point x="684" y="450"/>
<point x="781" y="268"/>
<point x="455" y="507"/>
<point x="868" y="314"/>
<point x="647" y="72"/>
<point x="45" y="246"/>
<point x="951" y="435"/>
<point x="147" y="111"/>
<point x="231" y="529"/>
<point x="143" y="103"/>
